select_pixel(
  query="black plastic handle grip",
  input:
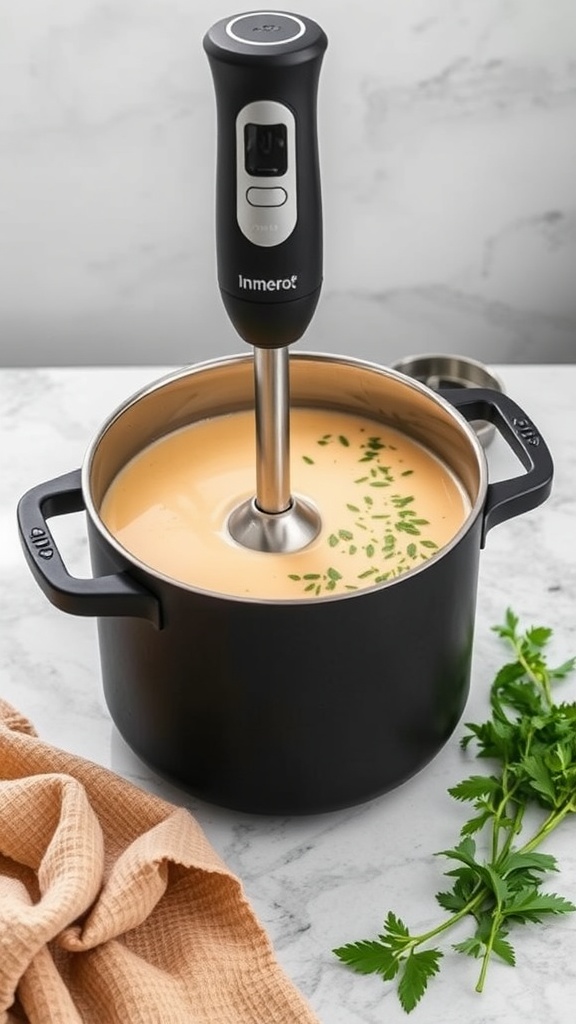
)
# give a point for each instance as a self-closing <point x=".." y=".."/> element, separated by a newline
<point x="508" y="498"/>
<point x="118" y="594"/>
<point x="270" y="290"/>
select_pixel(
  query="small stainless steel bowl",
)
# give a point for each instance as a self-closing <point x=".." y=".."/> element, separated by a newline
<point x="452" y="371"/>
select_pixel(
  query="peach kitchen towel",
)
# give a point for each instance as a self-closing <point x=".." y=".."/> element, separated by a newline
<point x="114" y="908"/>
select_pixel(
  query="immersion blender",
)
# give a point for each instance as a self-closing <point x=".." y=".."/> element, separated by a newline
<point x="266" y="67"/>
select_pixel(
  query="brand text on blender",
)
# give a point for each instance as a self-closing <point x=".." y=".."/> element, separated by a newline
<point x="271" y="285"/>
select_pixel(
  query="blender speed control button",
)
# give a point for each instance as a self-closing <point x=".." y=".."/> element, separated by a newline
<point x="266" y="196"/>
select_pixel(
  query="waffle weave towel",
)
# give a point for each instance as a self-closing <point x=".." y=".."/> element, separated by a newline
<point x="114" y="908"/>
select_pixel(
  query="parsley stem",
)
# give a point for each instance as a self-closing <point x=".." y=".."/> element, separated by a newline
<point x="540" y="679"/>
<point x="471" y="905"/>
<point x="548" y="825"/>
<point x="495" y="928"/>
<point x="513" y="830"/>
<point x="498" y="824"/>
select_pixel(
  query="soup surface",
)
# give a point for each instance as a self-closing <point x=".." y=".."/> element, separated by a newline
<point x="386" y="504"/>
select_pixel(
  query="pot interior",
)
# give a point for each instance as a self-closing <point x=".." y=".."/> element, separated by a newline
<point x="316" y="381"/>
<point x="185" y="539"/>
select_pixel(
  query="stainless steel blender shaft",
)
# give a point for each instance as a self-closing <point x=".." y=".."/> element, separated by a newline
<point x="275" y="519"/>
<point x="272" y="407"/>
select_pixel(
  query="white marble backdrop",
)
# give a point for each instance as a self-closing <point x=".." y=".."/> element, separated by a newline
<point x="448" y="142"/>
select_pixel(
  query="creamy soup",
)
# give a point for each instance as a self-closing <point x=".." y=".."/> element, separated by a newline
<point x="386" y="504"/>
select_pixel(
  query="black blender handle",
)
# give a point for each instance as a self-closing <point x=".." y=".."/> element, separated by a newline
<point x="266" y="68"/>
<point x="508" y="498"/>
<point x="116" y="594"/>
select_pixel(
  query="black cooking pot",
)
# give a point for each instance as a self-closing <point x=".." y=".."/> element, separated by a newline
<point x="297" y="705"/>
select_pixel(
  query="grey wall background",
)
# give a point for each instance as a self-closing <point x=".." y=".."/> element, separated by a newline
<point x="448" y="144"/>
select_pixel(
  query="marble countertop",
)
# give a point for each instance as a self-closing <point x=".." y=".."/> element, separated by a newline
<point x="315" y="882"/>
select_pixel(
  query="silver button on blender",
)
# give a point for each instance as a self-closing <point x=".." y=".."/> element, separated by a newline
<point x="266" y="196"/>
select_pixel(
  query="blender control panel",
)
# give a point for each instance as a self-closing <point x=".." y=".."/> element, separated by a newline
<point x="266" y="206"/>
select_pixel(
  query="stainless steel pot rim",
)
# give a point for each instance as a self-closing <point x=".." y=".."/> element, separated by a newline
<point x="311" y="356"/>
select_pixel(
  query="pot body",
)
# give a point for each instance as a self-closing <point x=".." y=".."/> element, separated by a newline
<point x="299" y="707"/>
<point x="295" y="706"/>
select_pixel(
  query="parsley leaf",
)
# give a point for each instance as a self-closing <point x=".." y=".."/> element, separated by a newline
<point x="418" y="969"/>
<point x="369" y="957"/>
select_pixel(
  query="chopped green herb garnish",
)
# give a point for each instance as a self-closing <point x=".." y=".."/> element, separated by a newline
<point x="396" y="511"/>
<point x="405" y="527"/>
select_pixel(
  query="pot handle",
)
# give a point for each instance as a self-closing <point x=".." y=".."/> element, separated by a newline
<point x="117" y="594"/>
<point x="508" y="498"/>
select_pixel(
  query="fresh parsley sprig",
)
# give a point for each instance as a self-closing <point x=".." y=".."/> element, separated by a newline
<point x="531" y="742"/>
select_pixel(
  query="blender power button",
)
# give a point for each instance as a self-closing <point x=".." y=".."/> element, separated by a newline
<point x="266" y="196"/>
<point x="265" y="28"/>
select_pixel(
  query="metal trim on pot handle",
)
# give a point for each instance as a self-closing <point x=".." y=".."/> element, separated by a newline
<point x="117" y="594"/>
<point x="508" y="498"/>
